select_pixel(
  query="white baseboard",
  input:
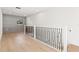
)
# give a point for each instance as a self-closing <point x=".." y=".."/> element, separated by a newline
<point x="74" y="44"/>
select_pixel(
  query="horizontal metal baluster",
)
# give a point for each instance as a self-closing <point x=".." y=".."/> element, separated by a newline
<point x="48" y="36"/>
<point x="43" y="34"/>
<point x="51" y="40"/>
<point x="51" y="36"/>
<point x="44" y="30"/>
<point x="38" y="33"/>
<point x="61" y="41"/>
<point x="56" y="37"/>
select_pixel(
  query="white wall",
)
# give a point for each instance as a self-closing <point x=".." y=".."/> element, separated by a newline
<point x="59" y="17"/>
<point x="10" y="23"/>
<point x="0" y="24"/>
<point x="29" y="21"/>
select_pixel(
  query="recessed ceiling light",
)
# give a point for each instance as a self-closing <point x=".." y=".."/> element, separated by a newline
<point x="18" y="8"/>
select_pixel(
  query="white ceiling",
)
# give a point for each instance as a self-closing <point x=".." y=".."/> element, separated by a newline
<point x="24" y="11"/>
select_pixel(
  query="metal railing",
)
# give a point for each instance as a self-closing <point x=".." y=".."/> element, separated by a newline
<point x="51" y="36"/>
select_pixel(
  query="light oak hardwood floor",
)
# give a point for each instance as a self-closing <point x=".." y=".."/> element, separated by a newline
<point x="73" y="48"/>
<point x="18" y="42"/>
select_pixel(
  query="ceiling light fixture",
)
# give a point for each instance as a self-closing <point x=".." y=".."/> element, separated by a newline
<point x="18" y="8"/>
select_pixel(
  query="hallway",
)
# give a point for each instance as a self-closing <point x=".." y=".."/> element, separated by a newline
<point x="18" y="42"/>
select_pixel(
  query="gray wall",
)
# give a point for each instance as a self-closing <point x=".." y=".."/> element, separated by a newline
<point x="0" y="24"/>
<point x="10" y="23"/>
